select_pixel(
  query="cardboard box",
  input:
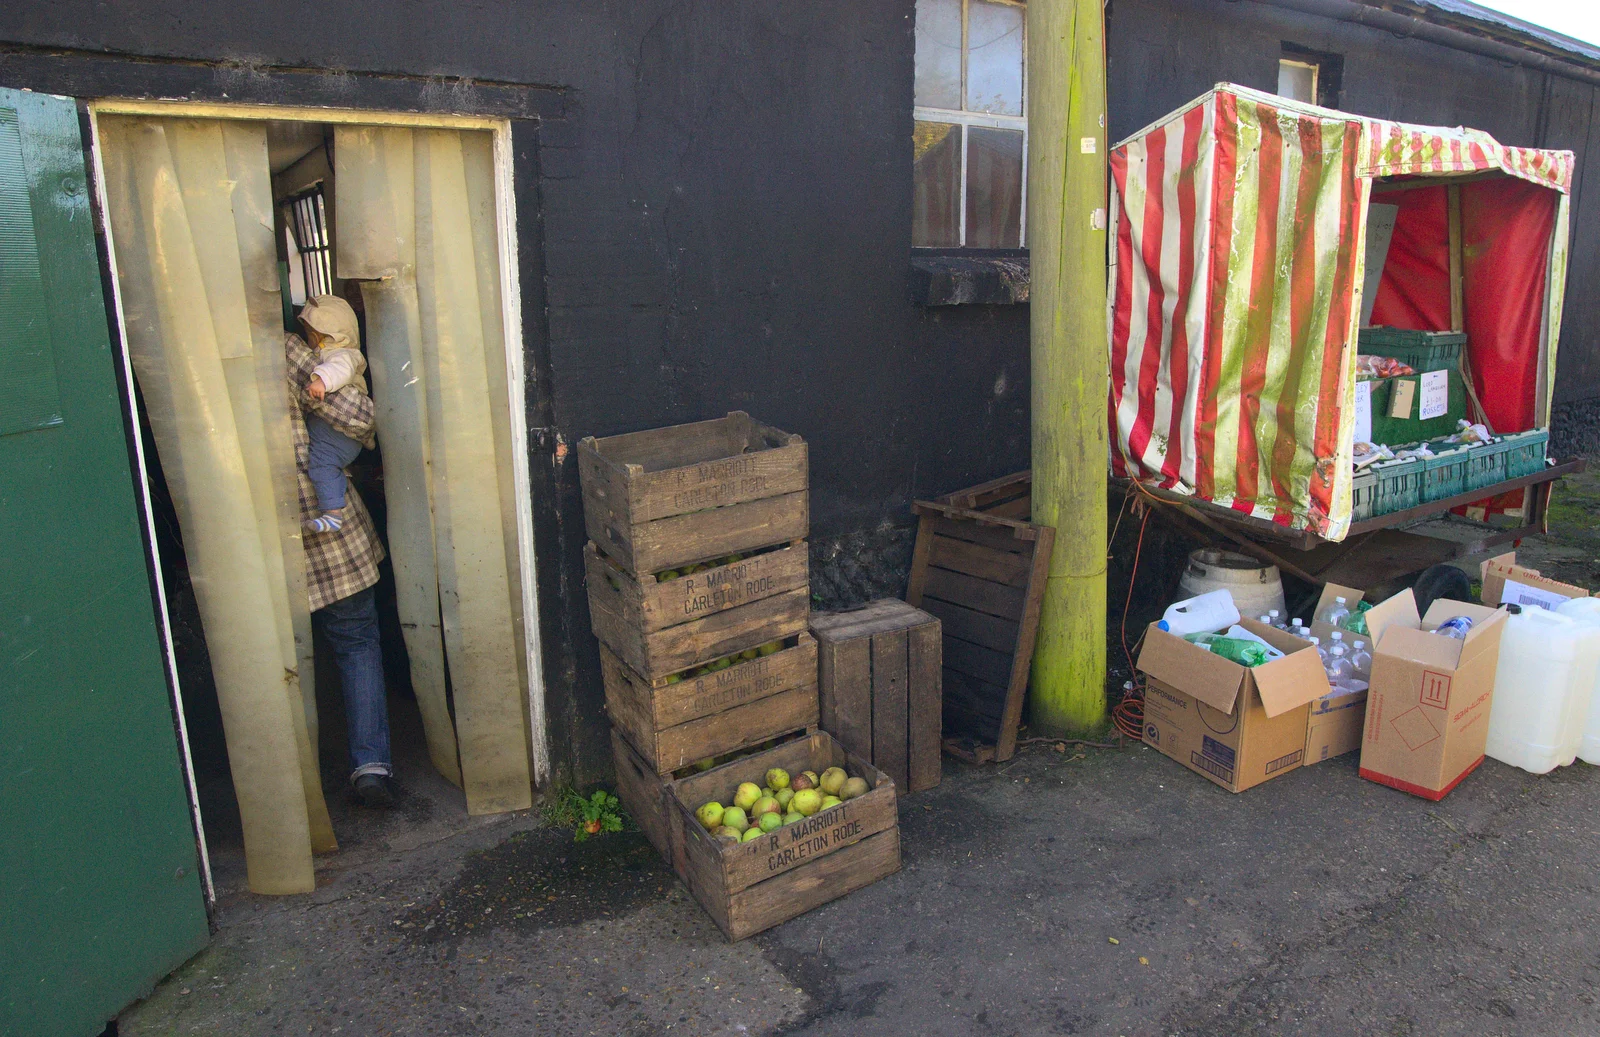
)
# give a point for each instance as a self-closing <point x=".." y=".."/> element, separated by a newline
<point x="1506" y="581"/>
<point x="1236" y="725"/>
<point x="1330" y="593"/>
<point x="1334" y="725"/>
<point x="1428" y="707"/>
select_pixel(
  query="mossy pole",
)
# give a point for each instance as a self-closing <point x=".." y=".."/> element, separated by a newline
<point x="1067" y="243"/>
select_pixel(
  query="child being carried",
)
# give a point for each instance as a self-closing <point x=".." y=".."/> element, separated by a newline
<point x="331" y="325"/>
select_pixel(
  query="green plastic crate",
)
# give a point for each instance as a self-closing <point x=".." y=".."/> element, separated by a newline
<point x="1486" y="463"/>
<point x="1445" y="473"/>
<point x="1423" y="350"/>
<point x="1399" y="486"/>
<point x="1525" y="452"/>
<point x="1363" y="494"/>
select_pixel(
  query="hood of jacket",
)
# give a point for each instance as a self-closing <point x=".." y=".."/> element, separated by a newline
<point x="331" y="316"/>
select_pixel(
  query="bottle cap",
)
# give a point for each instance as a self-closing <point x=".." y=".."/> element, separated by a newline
<point x="1163" y="625"/>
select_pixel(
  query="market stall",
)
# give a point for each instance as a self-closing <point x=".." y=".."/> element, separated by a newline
<point x="1260" y="246"/>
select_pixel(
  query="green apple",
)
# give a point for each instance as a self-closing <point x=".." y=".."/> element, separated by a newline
<point x="734" y="817"/>
<point x="772" y="821"/>
<point x="710" y="815"/>
<point x="726" y="834"/>
<point x="829" y="802"/>
<point x="852" y="788"/>
<point x="832" y="780"/>
<point x="806" y="802"/>
<point x="663" y="577"/>
<point x="771" y="648"/>
<point x="746" y="796"/>
<point x="765" y="805"/>
<point x="813" y="776"/>
<point x="705" y="764"/>
<point x="778" y="778"/>
<point x="791" y="817"/>
<point x="750" y="834"/>
<point x="783" y="797"/>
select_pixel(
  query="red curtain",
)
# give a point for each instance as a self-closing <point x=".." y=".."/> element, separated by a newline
<point x="1415" y="290"/>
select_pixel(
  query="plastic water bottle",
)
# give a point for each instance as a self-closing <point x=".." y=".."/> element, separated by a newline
<point x="1338" y="637"/>
<point x="1322" y="653"/>
<point x="1203" y="613"/>
<point x="1361" y="659"/>
<point x="1298" y="628"/>
<point x="1337" y="666"/>
<point x="1275" y="621"/>
<point x="1455" y="626"/>
<point x="1235" y="649"/>
<point x="1336" y="613"/>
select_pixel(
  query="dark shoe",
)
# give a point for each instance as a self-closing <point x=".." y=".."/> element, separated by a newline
<point x="373" y="790"/>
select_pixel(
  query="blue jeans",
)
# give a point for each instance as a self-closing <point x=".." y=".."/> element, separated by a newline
<point x="327" y="455"/>
<point x="351" y="626"/>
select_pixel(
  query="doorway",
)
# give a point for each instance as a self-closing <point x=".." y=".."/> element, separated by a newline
<point x="222" y="221"/>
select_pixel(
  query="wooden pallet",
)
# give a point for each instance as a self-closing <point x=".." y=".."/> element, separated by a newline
<point x="669" y="497"/>
<point x="980" y="568"/>
<point x="878" y="683"/>
<point x="752" y="886"/>
<point x="673" y="724"/>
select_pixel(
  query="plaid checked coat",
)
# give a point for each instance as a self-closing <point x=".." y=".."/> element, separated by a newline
<point x="343" y="562"/>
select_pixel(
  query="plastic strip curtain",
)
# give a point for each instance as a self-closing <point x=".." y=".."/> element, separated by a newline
<point x="190" y="207"/>
<point x="417" y="212"/>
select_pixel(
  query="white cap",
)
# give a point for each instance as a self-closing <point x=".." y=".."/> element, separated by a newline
<point x="1338" y="635"/>
<point x="1361" y="644"/>
<point x="1339" y="600"/>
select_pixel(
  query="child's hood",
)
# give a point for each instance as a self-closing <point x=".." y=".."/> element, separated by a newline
<point x="333" y="317"/>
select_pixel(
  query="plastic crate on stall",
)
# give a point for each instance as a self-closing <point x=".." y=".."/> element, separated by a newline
<point x="1525" y="452"/>
<point x="1399" y="486"/>
<point x="1445" y="473"/>
<point x="1363" y="494"/>
<point x="1423" y="350"/>
<point x="1486" y="463"/>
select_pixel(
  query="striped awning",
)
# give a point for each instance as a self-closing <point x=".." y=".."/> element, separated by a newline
<point x="1235" y="292"/>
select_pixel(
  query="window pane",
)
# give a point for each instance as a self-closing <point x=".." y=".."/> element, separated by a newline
<point x="936" y="185"/>
<point x="939" y="53"/>
<point x="994" y="188"/>
<point x="1298" y="81"/>
<point x="994" y="58"/>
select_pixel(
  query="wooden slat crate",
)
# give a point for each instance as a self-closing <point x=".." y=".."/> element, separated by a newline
<point x="648" y="604"/>
<point x="722" y="631"/>
<point x="980" y="567"/>
<point x="752" y="886"/>
<point x="670" y="497"/>
<point x="879" y="687"/>
<point x="674" y="724"/>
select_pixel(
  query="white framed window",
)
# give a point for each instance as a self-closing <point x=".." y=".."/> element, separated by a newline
<point x="1297" y="80"/>
<point x="970" y="145"/>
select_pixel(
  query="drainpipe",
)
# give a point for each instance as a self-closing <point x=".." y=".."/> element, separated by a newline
<point x="1067" y="246"/>
<point x="1413" y="27"/>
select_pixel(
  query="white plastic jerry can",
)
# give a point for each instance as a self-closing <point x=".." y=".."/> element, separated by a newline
<point x="1542" y="690"/>
<point x="1587" y="612"/>
<point x="1203" y="613"/>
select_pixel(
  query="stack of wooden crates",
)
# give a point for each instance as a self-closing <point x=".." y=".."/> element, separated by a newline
<point x="699" y="593"/>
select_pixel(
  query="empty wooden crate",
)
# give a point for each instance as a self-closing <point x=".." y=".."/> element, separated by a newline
<point x="751" y="886"/>
<point x="879" y="685"/>
<point x="980" y="566"/>
<point x="670" y="497"/>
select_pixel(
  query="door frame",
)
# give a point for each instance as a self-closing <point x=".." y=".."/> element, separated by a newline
<point x="516" y="371"/>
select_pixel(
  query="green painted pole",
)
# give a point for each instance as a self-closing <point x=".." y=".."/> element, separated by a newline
<point x="1067" y="243"/>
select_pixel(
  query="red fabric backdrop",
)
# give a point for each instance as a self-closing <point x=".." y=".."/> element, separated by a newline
<point x="1506" y="226"/>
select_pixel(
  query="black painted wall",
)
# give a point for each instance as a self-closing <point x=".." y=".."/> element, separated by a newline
<point x="714" y="214"/>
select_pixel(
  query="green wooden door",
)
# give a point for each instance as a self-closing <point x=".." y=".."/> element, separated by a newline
<point x="99" y="891"/>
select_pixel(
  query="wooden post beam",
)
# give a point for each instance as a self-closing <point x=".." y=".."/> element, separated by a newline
<point x="1067" y="243"/>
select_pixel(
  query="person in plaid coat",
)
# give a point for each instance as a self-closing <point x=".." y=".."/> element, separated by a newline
<point x="341" y="570"/>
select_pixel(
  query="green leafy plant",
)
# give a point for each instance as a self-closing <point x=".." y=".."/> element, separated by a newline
<point x="585" y="815"/>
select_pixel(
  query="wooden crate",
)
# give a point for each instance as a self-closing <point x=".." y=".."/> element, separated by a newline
<point x="753" y="886"/>
<point x="671" y="497"/>
<point x="879" y="687"/>
<point x="674" y="724"/>
<point x="649" y="605"/>
<point x="980" y="567"/>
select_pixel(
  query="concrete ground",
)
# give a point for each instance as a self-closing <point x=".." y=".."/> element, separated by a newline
<point x="1078" y="891"/>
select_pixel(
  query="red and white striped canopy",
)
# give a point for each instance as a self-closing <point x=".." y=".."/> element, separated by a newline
<point x="1239" y="224"/>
